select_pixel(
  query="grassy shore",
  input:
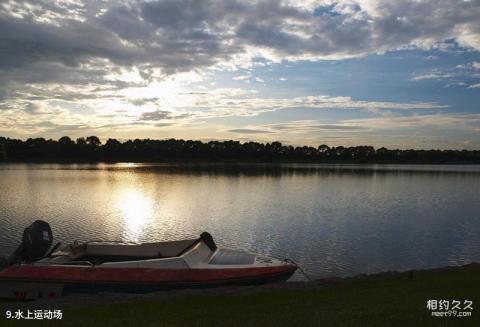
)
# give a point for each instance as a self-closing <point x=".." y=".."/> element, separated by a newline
<point x="388" y="299"/>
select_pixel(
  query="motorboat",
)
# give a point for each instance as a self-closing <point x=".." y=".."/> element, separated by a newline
<point x="36" y="269"/>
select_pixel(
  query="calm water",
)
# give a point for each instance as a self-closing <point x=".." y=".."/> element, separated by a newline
<point x="335" y="220"/>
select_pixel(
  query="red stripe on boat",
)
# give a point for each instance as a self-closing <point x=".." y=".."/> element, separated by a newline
<point x="136" y="275"/>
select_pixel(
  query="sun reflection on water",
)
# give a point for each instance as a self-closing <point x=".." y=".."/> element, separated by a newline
<point x="137" y="211"/>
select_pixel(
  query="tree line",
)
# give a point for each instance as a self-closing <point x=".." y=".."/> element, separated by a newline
<point x="91" y="149"/>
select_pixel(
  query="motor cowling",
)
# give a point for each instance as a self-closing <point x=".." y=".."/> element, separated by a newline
<point x="37" y="240"/>
<point x="208" y="240"/>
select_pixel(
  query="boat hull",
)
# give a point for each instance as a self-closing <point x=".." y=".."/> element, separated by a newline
<point x="30" y="281"/>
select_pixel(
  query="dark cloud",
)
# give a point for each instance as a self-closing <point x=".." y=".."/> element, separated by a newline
<point x="53" y="127"/>
<point x="309" y="126"/>
<point x="50" y="127"/>
<point x="181" y="35"/>
<point x="183" y="16"/>
<point x="164" y="124"/>
<point x="296" y="126"/>
<point x="161" y="115"/>
<point x="142" y="101"/>
<point x="126" y="22"/>
<point x="249" y="131"/>
<point x="25" y="42"/>
<point x="32" y="108"/>
<point x="156" y="115"/>
<point x="49" y="42"/>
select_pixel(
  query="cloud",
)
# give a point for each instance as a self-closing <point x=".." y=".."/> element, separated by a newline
<point x="161" y="115"/>
<point x="248" y="131"/>
<point x="156" y="115"/>
<point x="435" y="76"/>
<point x="184" y="35"/>
<point x="460" y="75"/>
<point x="446" y="120"/>
<point x="74" y="61"/>
<point x="456" y="84"/>
<point x="242" y="77"/>
<point x="235" y="103"/>
<point x="296" y="127"/>
<point x="423" y="131"/>
<point x="32" y="108"/>
<point x="311" y="126"/>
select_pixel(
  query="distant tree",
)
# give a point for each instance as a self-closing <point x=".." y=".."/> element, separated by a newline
<point x="93" y="141"/>
<point x="382" y="151"/>
<point x="112" y="143"/>
<point x="81" y="141"/>
<point x="65" y="147"/>
<point x="65" y="140"/>
<point x="90" y="148"/>
<point x="3" y="148"/>
<point x="323" y="148"/>
<point x="36" y="147"/>
<point x="112" y="148"/>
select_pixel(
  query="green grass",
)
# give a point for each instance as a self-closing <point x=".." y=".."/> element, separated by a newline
<point x="385" y="300"/>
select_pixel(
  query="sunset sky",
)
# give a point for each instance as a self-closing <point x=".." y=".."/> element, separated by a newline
<point x="400" y="74"/>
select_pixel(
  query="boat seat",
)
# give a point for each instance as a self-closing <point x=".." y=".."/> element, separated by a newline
<point x="146" y="250"/>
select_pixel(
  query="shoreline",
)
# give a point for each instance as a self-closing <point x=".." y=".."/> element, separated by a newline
<point x="227" y="161"/>
<point x="315" y="284"/>
<point x="382" y="299"/>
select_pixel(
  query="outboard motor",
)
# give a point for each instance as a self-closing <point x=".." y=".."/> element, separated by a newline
<point x="37" y="240"/>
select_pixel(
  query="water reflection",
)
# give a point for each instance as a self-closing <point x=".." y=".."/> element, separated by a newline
<point x="335" y="220"/>
<point x="137" y="212"/>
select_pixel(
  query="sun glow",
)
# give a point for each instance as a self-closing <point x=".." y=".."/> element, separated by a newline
<point x="137" y="210"/>
<point x="169" y="94"/>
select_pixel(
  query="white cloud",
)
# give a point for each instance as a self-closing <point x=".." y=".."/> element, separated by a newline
<point x="459" y="75"/>
<point x="405" y="131"/>
<point x="171" y="102"/>
<point x="235" y="102"/>
<point x="242" y="77"/>
<point x="434" y="75"/>
<point x="296" y="127"/>
<point x="456" y="84"/>
<point x="459" y="121"/>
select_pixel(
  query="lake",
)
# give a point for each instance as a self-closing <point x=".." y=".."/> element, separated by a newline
<point x="334" y="220"/>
